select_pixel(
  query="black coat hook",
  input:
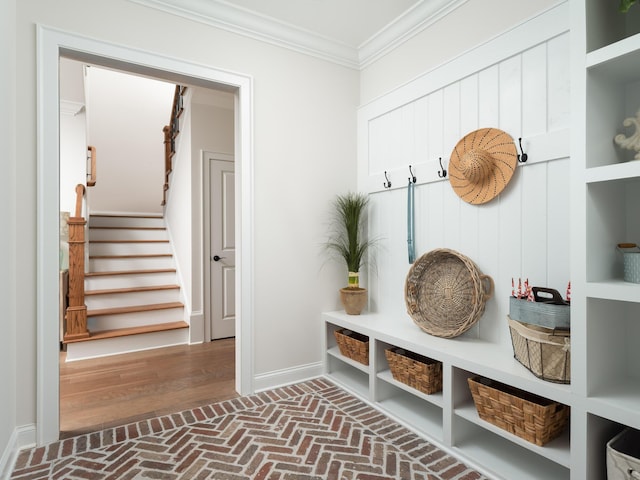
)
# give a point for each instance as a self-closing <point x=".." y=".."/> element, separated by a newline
<point x="412" y="178"/>
<point x="386" y="184"/>
<point x="524" y="157"/>
<point x="442" y="173"/>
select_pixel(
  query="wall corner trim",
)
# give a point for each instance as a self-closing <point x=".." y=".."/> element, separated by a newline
<point x="22" y="437"/>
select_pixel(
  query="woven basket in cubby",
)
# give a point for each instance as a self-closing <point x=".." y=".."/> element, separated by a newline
<point x="535" y="419"/>
<point x="419" y="372"/>
<point x="353" y="345"/>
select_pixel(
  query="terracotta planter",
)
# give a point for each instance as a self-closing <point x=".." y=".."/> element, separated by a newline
<point x="353" y="299"/>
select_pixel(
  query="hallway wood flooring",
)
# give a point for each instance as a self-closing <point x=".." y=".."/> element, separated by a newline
<point x="105" y="392"/>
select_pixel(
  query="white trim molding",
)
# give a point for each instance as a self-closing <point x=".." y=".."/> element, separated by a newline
<point x="52" y="44"/>
<point x="287" y="376"/>
<point x="22" y="437"/>
<point x="241" y="21"/>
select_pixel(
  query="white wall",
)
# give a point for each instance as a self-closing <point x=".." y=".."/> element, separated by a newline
<point x="473" y="23"/>
<point x="518" y="83"/>
<point x="304" y="149"/>
<point x="8" y="318"/>
<point x="125" y="117"/>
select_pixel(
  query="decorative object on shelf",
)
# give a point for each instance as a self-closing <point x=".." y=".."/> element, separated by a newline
<point x="545" y="352"/>
<point x="353" y="345"/>
<point x="417" y="371"/>
<point x="631" y="261"/>
<point x="530" y="417"/>
<point x="632" y="142"/>
<point x="481" y="165"/>
<point x="411" y="230"/>
<point x="348" y="243"/>
<point x="445" y="293"/>
<point x="623" y="456"/>
<point x="542" y="306"/>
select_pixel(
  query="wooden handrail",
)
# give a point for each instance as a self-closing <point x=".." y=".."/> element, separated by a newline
<point x="75" y="325"/>
<point x="170" y="133"/>
<point x="91" y="175"/>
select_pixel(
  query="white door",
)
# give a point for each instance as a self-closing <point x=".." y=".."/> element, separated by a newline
<point x="223" y="249"/>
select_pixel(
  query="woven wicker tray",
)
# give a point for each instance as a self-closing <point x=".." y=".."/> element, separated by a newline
<point x="445" y="293"/>
<point x="532" y="418"/>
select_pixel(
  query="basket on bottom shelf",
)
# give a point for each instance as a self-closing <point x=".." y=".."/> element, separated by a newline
<point x="543" y="351"/>
<point x="530" y="417"/>
<point x="623" y="456"/>
<point x="417" y="371"/>
<point x="353" y="345"/>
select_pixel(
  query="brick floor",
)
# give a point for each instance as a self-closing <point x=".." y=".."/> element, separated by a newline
<point x="309" y="431"/>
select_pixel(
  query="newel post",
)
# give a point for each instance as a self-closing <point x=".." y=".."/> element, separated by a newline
<point x="76" y="317"/>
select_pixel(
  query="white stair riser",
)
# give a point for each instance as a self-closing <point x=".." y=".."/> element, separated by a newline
<point x="97" y="221"/>
<point x="115" y="300"/>
<point x="128" y="248"/>
<point x="136" y="319"/>
<point x="120" y="264"/>
<point x="132" y="343"/>
<point x="126" y="234"/>
<point x="107" y="282"/>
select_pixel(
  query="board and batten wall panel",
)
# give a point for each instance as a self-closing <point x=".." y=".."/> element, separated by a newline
<point x="523" y="232"/>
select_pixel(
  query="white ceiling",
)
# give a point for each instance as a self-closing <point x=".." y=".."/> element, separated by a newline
<point x="353" y="33"/>
<point x="351" y="22"/>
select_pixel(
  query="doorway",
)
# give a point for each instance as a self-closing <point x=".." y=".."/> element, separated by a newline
<point x="52" y="45"/>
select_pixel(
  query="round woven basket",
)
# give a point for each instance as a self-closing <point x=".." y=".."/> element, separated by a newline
<point x="445" y="293"/>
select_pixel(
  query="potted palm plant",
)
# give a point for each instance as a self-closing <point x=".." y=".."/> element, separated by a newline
<point x="347" y="242"/>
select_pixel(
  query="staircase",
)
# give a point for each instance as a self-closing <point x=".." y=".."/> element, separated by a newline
<point x="131" y="292"/>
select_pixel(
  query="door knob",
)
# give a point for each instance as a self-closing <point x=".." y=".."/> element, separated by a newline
<point x="216" y="258"/>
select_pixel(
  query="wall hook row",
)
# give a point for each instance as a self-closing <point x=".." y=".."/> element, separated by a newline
<point x="412" y="178"/>
<point x="442" y="173"/>
<point x="386" y="184"/>
<point x="524" y="157"/>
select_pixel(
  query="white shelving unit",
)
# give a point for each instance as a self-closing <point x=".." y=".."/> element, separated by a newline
<point x="605" y="193"/>
<point x="449" y="417"/>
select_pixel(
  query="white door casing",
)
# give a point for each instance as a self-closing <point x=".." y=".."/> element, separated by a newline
<point x="51" y="45"/>
<point x="222" y="261"/>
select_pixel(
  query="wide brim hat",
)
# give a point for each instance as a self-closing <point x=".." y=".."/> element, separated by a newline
<point x="481" y="165"/>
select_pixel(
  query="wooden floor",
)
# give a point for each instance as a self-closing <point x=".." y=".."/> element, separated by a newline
<point x="109" y="391"/>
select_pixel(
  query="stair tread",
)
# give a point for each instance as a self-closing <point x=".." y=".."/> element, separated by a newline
<point x="151" y="288"/>
<point x="134" y="309"/>
<point x="115" y="215"/>
<point x="122" y="332"/>
<point x="130" y="272"/>
<point x="139" y="255"/>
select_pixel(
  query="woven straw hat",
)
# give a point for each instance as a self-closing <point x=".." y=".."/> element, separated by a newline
<point x="481" y="165"/>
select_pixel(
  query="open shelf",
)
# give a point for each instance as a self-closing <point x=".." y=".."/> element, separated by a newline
<point x="505" y="458"/>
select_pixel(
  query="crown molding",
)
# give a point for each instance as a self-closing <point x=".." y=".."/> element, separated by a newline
<point x="245" y="22"/>
<point x="223" y="15"/>
<point x="409" y="24"/>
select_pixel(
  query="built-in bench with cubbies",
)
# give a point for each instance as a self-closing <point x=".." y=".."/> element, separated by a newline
<point x="448" y="416"/>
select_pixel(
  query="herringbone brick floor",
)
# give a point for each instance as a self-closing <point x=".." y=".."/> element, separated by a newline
<point x="309" y="431"/>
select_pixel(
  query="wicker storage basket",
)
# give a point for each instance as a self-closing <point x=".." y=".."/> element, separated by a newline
<point x="623" y="456"/>
<point x="545" y="352"/>
<point x="417" y="371"/>
<point x="532" y="418"/>
<point x="445" y="293"/>
<point x="353" y="345"/>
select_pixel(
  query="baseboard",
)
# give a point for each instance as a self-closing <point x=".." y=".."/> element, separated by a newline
<point x="287" y="376"/>
<point x="22" y="437"/>
<point x="128" y="214"/>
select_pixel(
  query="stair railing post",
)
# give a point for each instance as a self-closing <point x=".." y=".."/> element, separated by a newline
<point x="76" y="316"/>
